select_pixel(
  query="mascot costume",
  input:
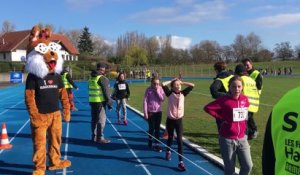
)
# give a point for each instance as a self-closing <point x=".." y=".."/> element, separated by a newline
<point x="44" y="89"/>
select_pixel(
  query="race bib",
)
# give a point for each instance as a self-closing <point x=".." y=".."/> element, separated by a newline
<point x="122" y="86"/>
<point x="240" y="114"/>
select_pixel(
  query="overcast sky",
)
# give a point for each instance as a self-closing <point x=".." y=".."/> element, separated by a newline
<point x="189" y="21"/>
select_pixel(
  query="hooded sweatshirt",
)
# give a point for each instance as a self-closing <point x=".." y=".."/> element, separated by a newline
<point x="153" y="99"/>
<point x="224" y="108"/>
<point x="217" y="88"/>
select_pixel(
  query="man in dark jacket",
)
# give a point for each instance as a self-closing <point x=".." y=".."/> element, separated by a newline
<point x="99" y="98"/>
<point x="253" y="73"/>
<point x="219" y="87"/>
<point x="257" y="77"/>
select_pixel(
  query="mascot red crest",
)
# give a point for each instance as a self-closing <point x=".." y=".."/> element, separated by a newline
<point x="43" y="55"/>
<point x="43" y="92"/>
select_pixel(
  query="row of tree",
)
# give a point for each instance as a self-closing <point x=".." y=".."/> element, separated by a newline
<point x="135" y="48"/>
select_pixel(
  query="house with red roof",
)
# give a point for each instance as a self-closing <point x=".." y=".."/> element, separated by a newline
<point x="13" y="46"/>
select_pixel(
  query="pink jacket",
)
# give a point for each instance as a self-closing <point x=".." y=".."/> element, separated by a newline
<point x="224" y="108"/>
<point x="176" y="102"/>
<point x="153" y="99"/>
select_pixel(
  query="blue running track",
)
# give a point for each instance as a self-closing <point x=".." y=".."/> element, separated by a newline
<point x="127" y="154"/>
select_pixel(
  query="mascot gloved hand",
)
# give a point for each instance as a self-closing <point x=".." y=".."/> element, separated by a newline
<point x="44" y="90"/>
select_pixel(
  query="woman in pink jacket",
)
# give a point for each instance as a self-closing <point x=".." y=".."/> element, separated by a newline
<point x="233" y="110"/>
<point x="175" y="114"/>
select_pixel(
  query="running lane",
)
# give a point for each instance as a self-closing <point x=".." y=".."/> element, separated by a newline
<point x="127" y="154"/>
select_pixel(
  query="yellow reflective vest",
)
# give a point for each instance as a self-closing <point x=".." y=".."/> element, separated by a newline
<point x="225" y="82"/>
<point x="254" y="75"/>
<point x="250" y="90"/>
<point x="65" y="81"/>
<point x="285" y="129"/>
<point x="95" y="90"/>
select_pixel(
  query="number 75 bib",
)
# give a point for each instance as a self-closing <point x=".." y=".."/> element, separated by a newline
<point x="240" y="114"/>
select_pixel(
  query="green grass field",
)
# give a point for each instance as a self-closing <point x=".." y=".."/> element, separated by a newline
<point x="200" y="128"/>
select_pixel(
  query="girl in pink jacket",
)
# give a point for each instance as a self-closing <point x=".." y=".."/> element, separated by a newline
<point x="232" y="109"/>
<point x="153" y="98"/>
<point x="175" y="114"/>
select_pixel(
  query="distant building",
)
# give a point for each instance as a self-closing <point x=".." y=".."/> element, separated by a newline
<point x="13" y="46"/>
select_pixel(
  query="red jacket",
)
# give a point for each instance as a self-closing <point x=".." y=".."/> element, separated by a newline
<point x="223" y="108"/>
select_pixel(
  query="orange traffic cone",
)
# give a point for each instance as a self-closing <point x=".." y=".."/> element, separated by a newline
<point x="165" y="135"/>
<point x="4" y="138"/>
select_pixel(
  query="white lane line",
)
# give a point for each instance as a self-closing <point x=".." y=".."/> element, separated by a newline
<point x="198" y="166"/>
<point x="66" y="148"/>
<point x="10" y="107"/>
<point x="17" y="133"/>
<point x="131" y="150"/>
<point x="63" y="172"/>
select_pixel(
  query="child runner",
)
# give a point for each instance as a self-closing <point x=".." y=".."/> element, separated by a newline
<point x="154" y="96"/>
<point x="233" y="110"/>
<point x="121" y="94"/>
<point x="175" y="114"/>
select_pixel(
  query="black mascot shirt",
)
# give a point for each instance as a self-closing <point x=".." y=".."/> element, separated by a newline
<point x="46" y="91"/>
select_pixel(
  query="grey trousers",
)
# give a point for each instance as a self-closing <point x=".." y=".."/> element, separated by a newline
<point x="98" y="121"/>
<point x="230" y="149"/>
<point x="121" y="104"/>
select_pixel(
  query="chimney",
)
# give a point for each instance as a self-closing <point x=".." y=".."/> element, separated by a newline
<point x="3" y="41"/>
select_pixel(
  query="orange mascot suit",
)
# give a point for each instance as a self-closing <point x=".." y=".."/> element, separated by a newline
<point x="44" y="90"/>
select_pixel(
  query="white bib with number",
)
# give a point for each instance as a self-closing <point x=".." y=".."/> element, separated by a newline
<point x="122" y="86"/>
<point x="240" y="114"/>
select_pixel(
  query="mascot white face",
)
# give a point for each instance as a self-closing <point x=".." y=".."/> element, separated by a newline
<point x="43" y="56"/>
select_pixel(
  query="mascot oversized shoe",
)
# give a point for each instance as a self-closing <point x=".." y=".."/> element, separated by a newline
<point x="63" y="164"/>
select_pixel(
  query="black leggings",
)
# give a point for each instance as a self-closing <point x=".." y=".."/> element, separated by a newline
<point x="154" y="120"/>
<point x="177" y="125"/>
<point x="251" y="125"/>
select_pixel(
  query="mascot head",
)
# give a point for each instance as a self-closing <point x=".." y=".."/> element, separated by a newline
<point x="43" y="55"/>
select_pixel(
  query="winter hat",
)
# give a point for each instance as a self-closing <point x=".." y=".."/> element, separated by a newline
<point x="101" y="66"/>
<point x="240" y="69"/>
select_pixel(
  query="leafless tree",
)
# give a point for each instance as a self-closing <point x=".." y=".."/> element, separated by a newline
<point x="297" y="51"/>
<point x="240" y="47"/>
<point x="227" y="53"/>
<point x="253" y="43"/>
<point x="8" y="26"/>
<point x="264" y="55"/>
<point x="167" y="51"/>
<point x="206" y="51"/>
<point x="128" y="40"/>
<point x="246" y="46"/>
<point x="101" y="47"/>
<point x="74" y="36"/>
<point x="152" y="47"/>
<point x="283" y="50"/>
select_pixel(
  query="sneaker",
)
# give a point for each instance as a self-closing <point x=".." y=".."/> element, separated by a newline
<point x="103" y="141"/>
<point x="157" y="148"/>
<point x="255" y="134"/>
<point x="119" y="122"/>
<point x="125" y="122"/>
<point x="181" y="166"/>
<point x="168" y="155"/>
